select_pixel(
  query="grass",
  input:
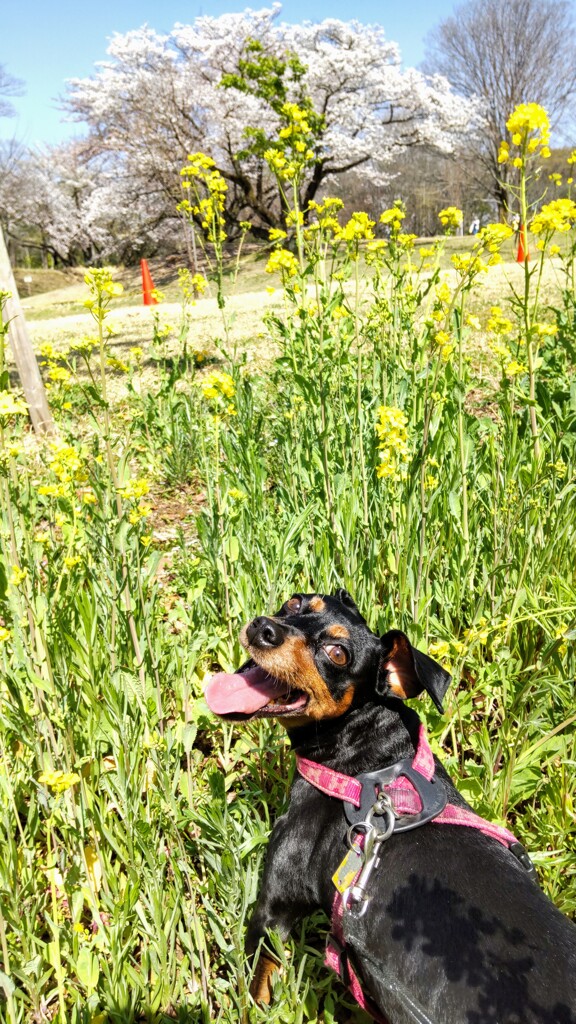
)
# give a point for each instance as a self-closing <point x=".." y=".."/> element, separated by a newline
<point x="174" y="506"/>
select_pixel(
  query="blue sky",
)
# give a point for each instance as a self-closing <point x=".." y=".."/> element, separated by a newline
<point x="45" y="43"/>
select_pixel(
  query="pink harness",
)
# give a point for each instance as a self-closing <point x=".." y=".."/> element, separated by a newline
<point x="405" y="801"/>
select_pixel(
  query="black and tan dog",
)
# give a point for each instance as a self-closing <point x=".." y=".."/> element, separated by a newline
<point x="454" y="930"/>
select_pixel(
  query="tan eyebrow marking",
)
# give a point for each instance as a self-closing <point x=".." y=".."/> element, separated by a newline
<point x="338" y="631"/>
<point x="317" y="604"/>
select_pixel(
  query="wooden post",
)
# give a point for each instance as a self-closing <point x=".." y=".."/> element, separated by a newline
<point x="24" y="357"/>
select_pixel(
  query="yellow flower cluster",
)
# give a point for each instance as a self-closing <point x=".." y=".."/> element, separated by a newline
<point x="192" y="285"/>
<point x="468" y="265"/>
<point x="559" y="215"/>
<point x="66" y="463"/>
<point x="445" y="344"/>
<point x="501" y="326"/>
<point x="17" y="576"/>
<point x="117" y="364"/>
<point x="358" y="227"/>
<point x="329" y="204"/>
<point x="295" y="147"/>
<point x="11" y="405"/>
<point x="325" y="222"/>
<point x="5" y="634"/>
<point x="450" y="218"/>
<point x="201" y="355"/>
<point x="139" y="512"/>
<point x="529" y="128"/>
<point x="497" y="323"/>
<point x="218" y="386"/>
<point x="493" y="236"/>
<point x="394" y="216"/>
<point x="277" y="235"/>
<point x="59" y="781"/>
<point x="513" y="368"/>
<point x="102" y="287"/>
<point x="135" y="489"/>
<point x="440" y="308"/>
<point x="59" y="374"/>
<point x="392" y="432"/>
<point x="489" y="242"/>
<point x="282" y="262"/>
<point x="201" y="174"/>
<point x="377" y="251"/>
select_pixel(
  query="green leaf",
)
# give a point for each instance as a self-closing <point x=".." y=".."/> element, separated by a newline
<point x="232" y="548"/>
<point x="7" y="984"/>
<point x="455" y="506"/>
<point x="88" y="969"/>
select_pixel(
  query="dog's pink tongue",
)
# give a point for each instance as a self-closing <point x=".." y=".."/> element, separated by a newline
<point x="231" y="693"/>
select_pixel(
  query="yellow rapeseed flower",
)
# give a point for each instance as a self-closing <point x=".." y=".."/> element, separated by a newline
<point x="100" y="282"/>
<point x="451" y="218"/>
<point x="12" y="405"/>
<point x="135" y="489"/>
<point x="58" y="781"/>
<point x="526" y="119"/>
<point x="559" y="215"/>
<point x="358" y="227"/>
<point x="141" y="511"/>
<point x="529" y="129"/>
<point x="394" y="216"/>
<point x="392" y="432"/>
<point x="218" y="385"/>
<point x="282" y="262"/>
<point x="17" y="576"/>
<point x="514" y="368"/>
<point x="71" y="561"/>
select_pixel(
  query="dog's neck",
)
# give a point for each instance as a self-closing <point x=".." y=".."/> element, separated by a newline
<point x="364" y="739"/>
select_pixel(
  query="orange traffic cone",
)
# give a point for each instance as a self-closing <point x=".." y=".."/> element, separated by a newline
<point x="147" y="285"/>
<point x="523" y="255"/>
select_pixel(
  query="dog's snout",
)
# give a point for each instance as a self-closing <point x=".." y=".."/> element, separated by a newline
<point x="263" y="632"/>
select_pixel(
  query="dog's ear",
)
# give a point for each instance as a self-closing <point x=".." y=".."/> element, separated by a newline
<point x="404" y="672"/>
<point x="345" y="598"/>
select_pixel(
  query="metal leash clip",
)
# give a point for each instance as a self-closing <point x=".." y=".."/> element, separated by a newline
<point x="374" y="836"/>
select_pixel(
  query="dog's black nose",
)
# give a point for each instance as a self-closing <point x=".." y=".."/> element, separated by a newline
<point x="263" y="632"/>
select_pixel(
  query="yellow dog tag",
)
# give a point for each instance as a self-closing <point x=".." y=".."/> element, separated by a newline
<point x="346" y="872"/>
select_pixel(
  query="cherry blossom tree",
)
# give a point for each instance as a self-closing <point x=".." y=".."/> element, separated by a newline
<point x="160" y="96"/>
<point x="48" y="206"/>
<point x="9" y="86"/>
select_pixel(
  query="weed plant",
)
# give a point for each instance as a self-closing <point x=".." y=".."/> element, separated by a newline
<point x="371" y="456"/>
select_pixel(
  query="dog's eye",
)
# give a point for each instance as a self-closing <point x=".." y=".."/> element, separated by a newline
<point x="336" y="653"/>
<point x="294" y="604"/>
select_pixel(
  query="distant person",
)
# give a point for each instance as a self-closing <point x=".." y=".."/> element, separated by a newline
<point x="474" y="226"/>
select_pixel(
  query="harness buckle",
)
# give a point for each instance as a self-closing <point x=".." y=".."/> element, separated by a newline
<point x="525" y="860"/>
<point x="431" y="792"/>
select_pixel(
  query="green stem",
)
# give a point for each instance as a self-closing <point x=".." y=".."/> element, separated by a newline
<point x="530" y="353"/>
<point x="459" y="316"/>
<point x="359" y="409"/>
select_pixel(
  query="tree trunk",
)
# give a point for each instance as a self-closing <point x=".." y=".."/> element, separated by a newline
<point x="24" y="357"/>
